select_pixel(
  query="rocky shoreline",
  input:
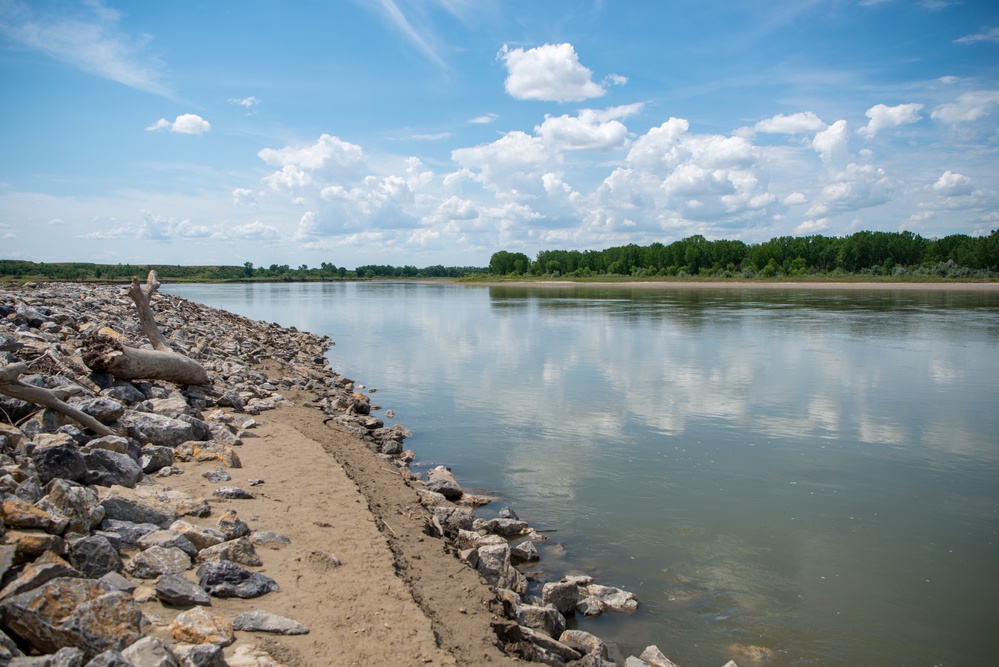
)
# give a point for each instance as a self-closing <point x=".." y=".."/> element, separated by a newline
<point x="139" y="548"/>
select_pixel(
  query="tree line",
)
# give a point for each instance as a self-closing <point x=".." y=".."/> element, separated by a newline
<point x="863" y="253"/>
<point x="86" y="271"/>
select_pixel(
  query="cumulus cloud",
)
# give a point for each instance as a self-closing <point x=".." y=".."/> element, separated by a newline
<point x="245" y="102"/>
<point x="590" y="130"/>
<point x="243" y="196"/>
<point x="885" y="117"/>
<point x="832" y="143"/>
<point x="951" y="184"/>
<point x="187" y="123"/>
<point x="796" y="123"/>
<point x="813" y="226"/>
<point x="512" y="165"/>
<point x="551" y="72"/>
<point x="326" y="150"/>
<point x="968" y="107"/>
<point x="856" y="187"/>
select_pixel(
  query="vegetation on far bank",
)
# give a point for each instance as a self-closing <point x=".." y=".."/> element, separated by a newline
<point x="862" y="256"/>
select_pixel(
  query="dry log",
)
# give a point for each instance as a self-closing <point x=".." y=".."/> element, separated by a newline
<point x="106" y="355"/>
<point x="11" y="386"/>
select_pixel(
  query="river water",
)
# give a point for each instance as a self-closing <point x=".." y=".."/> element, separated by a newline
<point x="812" y="472"/>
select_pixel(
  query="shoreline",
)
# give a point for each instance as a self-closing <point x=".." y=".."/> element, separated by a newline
<point x="755" y="285"/>
<point x="379" y="564"/>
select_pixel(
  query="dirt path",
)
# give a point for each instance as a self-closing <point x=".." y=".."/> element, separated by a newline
<point x="399" y="598"/>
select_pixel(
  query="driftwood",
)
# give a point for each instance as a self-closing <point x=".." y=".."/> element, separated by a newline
<point x="107" y="355"/>
<point x="49" y="398"/>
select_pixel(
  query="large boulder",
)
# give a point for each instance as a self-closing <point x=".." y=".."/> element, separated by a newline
<point x="441" y="480"/>
<point x="107" y="468"/>
<point x="147" y="427"/>
<point x="79" y="613"/>
<point x="62" y="461"/>
<point x="127" y="504"/>
<point x="74" y="501"/>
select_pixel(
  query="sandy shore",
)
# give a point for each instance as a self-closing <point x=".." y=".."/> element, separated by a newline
<point x="398" y="597"/>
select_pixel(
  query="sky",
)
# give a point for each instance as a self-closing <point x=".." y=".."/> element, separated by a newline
<point x="421" y="132"/>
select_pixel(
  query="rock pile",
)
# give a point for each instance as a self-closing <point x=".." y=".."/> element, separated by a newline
<point x="87" y="530"/>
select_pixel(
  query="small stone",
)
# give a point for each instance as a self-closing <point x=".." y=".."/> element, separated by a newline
<point x="233" y="493"/>
<point x="232" y="526"/>
<point x="262" y="621"/>
<point x="217" y="476"/>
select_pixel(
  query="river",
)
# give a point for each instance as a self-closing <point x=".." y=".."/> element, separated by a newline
<point x="812" y="472"/>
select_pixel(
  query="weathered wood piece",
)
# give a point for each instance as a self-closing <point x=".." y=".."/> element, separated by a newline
<point x="106" y="355"/>
<point x="11" y="386"/>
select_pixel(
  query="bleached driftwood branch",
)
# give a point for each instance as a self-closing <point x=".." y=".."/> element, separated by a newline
<point x="11" y="385"/>
<point x="106" y="355"/>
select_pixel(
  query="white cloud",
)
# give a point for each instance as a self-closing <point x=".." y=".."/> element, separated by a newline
<point x="481" y="120"/>
<point x="438" y="136"/>
<point x="858" y="186"/>
<point x="584" y="132"/>
<point x="86" y="37"/>
<point x="511" y="165"/>
<point x="255" y="231"/>
<point x="328" y="149"/>
<point x="833" y="143"/>
<point x="794" y="199"/>
<point x="953" y="185"/>
<point x="246" y="102"/>
<point x="968" y="107"/>
<point x="812" y="226"/>
<point x="885" y="117"/>
<point x="243" y="196"/>
<point x="551" y="72"/>
<point x="990" y="35"/>
<point x="187" y="123"/>
<point x="797" y="123"/>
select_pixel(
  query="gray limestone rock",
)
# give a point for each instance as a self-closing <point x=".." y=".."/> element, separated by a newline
<point x="233" y="493"/>
<point x="226" y="579"/>
<point x="168" y="538"/>
<point x="262" y="621"/>
<point x="104" y="409"/>
<point x="110" y="658"/>
<point x="175" y="590"/>
<point x="156" y="561"/>
<point x="543" y="619"/>
<point x="94" y="556"/>
<point x="218" y="475"/>
<point x="128" y="505"/>
<point x="150" y="652"/>
<point x="525" y="552"/>
<point x="201" y="655"/>
<point x="88" y="617"/>
<point x="75" y="501"/>
<point x="232" y="526"/>
<point x="239" y="551"/>
<point x="62" y="461"/>
<point x="158" y="429"/>
<point x="128" y="531"/>
<point x="441" y="480"/>
<point x="107" y="468"/>
<point x="201" y="537"/>
<point x="155" y="457"/>
<point x="561" y="595"/>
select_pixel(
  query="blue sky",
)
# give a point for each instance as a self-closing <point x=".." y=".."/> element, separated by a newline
<point x="440" y="131"/>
